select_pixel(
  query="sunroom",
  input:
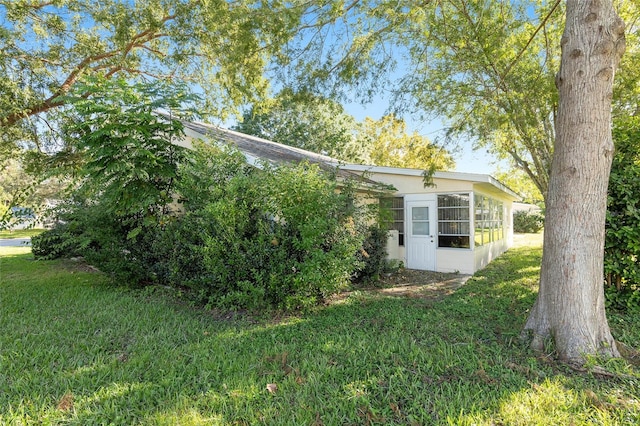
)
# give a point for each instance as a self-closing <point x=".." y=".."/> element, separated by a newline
<point x="459" y="224"/>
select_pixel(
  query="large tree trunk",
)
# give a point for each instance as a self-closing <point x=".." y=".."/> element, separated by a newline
<point x="570" y="304"/>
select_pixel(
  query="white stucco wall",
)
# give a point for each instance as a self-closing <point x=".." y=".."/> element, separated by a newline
<point x="415" y="185"/>
<point x="485" y="254"/>
<point x="455" y="260"/>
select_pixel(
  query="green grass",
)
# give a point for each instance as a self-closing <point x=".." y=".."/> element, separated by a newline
<point x="76" y="350"/>
<point x="19" y="233"/>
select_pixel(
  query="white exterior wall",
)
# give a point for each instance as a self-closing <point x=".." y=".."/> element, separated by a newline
<point x="483" y="255"/>
<point x="455" y="260"/>
<point x="394" y="249"/>
<point x="406" y="185"/>
<point x="508" y="223"/>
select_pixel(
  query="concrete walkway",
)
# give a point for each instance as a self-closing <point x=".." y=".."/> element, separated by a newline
<point x="15" y="242"/>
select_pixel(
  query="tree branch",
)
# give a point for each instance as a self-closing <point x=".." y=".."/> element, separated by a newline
<point x="137" y="41"/>
<point x="526" y="46"/>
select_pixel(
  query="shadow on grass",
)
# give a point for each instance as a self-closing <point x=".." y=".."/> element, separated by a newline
<point x="77" y="353"/>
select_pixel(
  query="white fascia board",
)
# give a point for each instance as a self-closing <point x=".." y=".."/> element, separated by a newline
<point x="379" y="169"/>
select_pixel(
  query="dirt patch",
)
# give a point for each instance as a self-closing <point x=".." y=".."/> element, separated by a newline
<point x="414" y="284"/>
<point x="421" y="284"/>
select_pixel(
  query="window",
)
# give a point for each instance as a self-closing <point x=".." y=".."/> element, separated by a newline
<point x="453" y="221"/>
<point x="489" y="220"/>
<point x="395" y="206"/>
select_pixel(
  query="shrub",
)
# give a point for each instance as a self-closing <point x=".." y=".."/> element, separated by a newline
<point x="622" y="237"/>
<point x="53" y="244"/>
<point x="71" y="236"/>
<point x="282" y="236"/>
<point x="527" y="222"/>
<point x="627" y="298"/>
<point x="130" y="167"/>
<point x="373" y="255"/>
<point x="89" y="230"/>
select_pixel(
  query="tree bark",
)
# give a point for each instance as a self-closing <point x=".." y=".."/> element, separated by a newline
<point x="570" y="304"/>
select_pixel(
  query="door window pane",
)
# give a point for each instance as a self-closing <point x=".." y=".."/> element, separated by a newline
<point x="420" y="228"/>
<point x="420" y="220"/>
<point x="420" y="213"/>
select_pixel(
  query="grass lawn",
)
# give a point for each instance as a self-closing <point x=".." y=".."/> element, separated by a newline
<point x="75" y="350"/>
<point x="19" y="233"/>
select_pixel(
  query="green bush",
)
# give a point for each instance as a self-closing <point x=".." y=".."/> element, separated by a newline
<point x="89" y="230"/>
<point x="53" y="244"/>
<point x="527" y="222"/>
<point x="622" y="237"/>
<point x="626" y="299"/>
<point x="72" y="234"/>
<point x="282" y="236"/>
<point x="129" y="167"/>
<point x="373" y="255"/>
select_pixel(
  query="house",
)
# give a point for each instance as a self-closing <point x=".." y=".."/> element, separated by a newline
<point x="459" y="224"/>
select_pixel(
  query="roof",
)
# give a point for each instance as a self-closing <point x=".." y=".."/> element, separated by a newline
<point x="255" y="149"/>
<point x="258" y="147"/>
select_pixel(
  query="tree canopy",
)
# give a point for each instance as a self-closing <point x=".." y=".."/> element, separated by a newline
<point x="487" y="69"/>
<point x="475" y="64"/>
<point x="321" y="125"/>
<point x="306" y="121"/>
<point x="48" y="47"/>
<point x="391" y="145"/>
<point x="518" y="181"/>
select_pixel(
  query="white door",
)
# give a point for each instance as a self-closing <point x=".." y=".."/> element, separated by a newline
<point x="421" y="232"/>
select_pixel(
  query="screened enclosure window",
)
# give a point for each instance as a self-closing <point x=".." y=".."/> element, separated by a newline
<point x="489" y="220"/>
<point x="454" y="228"/>
<point x="395" y="206"/>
